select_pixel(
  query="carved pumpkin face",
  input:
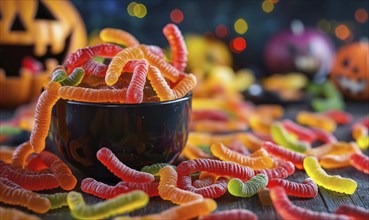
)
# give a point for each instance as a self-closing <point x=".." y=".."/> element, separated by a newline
<point x="46" y="31"/>
<point x="350" y="71"/>
<point x="40" y="29"/>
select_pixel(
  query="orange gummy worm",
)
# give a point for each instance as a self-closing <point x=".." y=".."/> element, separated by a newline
<point x="93" y="95"/>
<point x="159" y="84"/>
<point x="43" y="110"/>
<point x="21" y="154"/>
<point x="118" y="36"/>
<point x="185" y="85"/>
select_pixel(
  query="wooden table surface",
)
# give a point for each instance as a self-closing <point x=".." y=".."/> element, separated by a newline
<point x="326" y="201"/>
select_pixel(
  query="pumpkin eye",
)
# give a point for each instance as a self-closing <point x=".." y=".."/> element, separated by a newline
<point x="17" y="24"/>
<point x="43" y="12"/>
<point x="345" y="62"/>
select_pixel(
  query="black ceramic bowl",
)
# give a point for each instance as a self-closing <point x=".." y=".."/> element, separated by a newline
<point x="138" y="134"/>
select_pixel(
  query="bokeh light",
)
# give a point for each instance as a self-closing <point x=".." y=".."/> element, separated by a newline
<point x="130" y="8"/>
<point x="324" y="25"/>
<point x="267" y="6"/>
<point x="274" y="1"/>
<point x="221" y="31"/>
<point x="361" y="15"/>
<point x="240" y="26"/>
<point x="342" y="32"/>
<point x="238" y="44"/>
<point x="140" y="10"/>
<point x="176" y="16"/>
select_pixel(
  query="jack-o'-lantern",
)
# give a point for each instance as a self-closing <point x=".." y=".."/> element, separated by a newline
<point x="41" y="29"/>
<point x="350" y="71"/>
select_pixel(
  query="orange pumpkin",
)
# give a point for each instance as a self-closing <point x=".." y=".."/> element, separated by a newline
<point x="41" y="29"/>
<point x="350" y="71"/>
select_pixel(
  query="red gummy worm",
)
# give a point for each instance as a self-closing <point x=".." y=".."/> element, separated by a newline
<point x="63" y="174"/>
<point x="150" y="188"/>
<point x="83" y="55"/>
<point x="107" y="157"/>
<point x="287" y="210"/>
<point x="177" y="46"/>
<point x="220" y="168"/>
<point x="282" y="153"/>
<point x="340" y="117"/>
<point x="212" y="191"/>
<point x="92" y="67"/>
<point x="34" y="163"/>
<point x="354" y="212"/>
<point x="283" y="170"/>
<point x="303" y="134"/>
<point x="99" y="189"/>
<point x="360" y="161"/>
<point x="231" y="214"/>
<point x="324" y="136"/>
<point x="28" y="179"/>
<point x="306" y="189"/>
<point x="136" y="86"/>
<point x="131" y="65"/>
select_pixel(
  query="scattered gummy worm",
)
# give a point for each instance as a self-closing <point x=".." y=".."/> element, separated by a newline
<point x="287" y="210"/>
<point x="316" y="120"/>
<point x="21" y="154"/>
<point x="353" y="212"/>
<point x="121" y="204"/>
<point x="306" y="189"/>
<point x="360" y="161"/>
<point x="10" y="213"/>
<point x="304" y="134"/>
<point x="247" y="189"/>
<point x="334" y="183"/>
<point x="154" y="168"/>
<point x="214" y="190"/>
<point x="231" y="214"/>
<point x="205" y="179"/>
<point x="281" y="136"/>
<point x="282" y="170"/>
<point x="6" y="153"/>
<point x="57" y="200"/>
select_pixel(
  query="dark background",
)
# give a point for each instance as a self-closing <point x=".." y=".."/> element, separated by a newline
<point x="203" y="16"/>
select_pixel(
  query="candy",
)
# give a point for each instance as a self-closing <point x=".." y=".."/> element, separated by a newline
<point x="209" y="114"/>
<point x="119" y="61"/>
<point x="340" y="117"/>
<point x="118" y="205"/>
<point x="360" y="161"/>
<point x="165" y="68"/>
<point x="21" y="154"/>
<point x="231" y="214"/>
<point x="205" y="179"/>
<point x="177" y="46"/>
<point x="281" y="136"/>
<point x="83" y="55"/>
<point x="316" y="120"/>
<point x="99" y="189"/>
<point x="43" y="116"/>
<point x="117" y="36"/>
<point x="260" y="124"/>
<point x="226" y="154"/>
<point x="287" y="210"/>
<point x="59" y="75"/>
<point x="13" y="194"/>
<point x="57" y="200"/>
<point x="217" y="126"/>
<point x="131" y="65"/>
<point x="324" y="136"/>
<point x="353" y="212"/>
<point x="333" y="148"/>
<point x="159" y="84"/>
<point x="264" y="197"/>
<point x="136" y="86"/>
<point x="93" y="95"/>
<point x="168" y="189"/>
<point x="192" y="152"/>
<point x="154" y="169"/>
<point x="306" y="189"/>
<point x="94" y="68"/>
<point x="303" y="134"/>
<point x="10" y="213"/>
<point x="247" y="189"/>
<point x="334" y="183"/>
<point x="75" y="78"/>
<point x="7" y="130"/>
<point x="284" y="154"/>
<point x="188" y="210"/>
<point x="34" y="163"/>
<point x="107" y="157"/>
<point x="212" y="191"/>
<point x="150" y="189"/>
<point x="220" y="168"/>
<point x="28" y="179"/>
<point x="184" y="86"/>
<point x="62" y="173"/>
<point x="335" y="161"/>
<point x="283" y="170"/>
<point x="273" y="111"/>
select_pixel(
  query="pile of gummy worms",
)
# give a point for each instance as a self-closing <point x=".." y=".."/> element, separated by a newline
<point x="243" y="164"/>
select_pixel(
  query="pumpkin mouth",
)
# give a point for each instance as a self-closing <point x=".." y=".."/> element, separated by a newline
<point x="352" y="86"/>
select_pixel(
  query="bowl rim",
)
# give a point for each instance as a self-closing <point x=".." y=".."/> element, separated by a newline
<point x="130" y="105"/>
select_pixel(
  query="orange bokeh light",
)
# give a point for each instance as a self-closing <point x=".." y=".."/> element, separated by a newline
<point x="221" y="31"/>
<point x="176" y="16"/>
<point x="238" y="44"/>
<point x="361" y="15"/>
<point x="342" y="32"/>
